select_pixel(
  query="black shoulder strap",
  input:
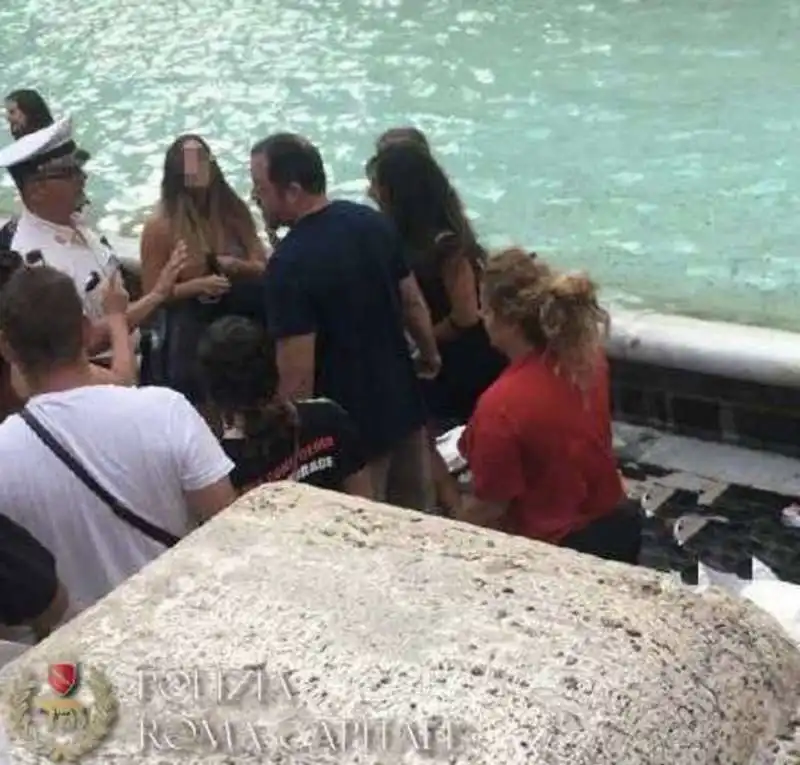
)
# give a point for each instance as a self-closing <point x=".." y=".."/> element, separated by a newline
<point x="166" y="538"/>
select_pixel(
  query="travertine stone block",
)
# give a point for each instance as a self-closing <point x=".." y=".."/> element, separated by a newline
<point x="340" y="617"/>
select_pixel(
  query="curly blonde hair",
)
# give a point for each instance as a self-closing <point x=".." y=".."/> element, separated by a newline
<point x="558" y="313"/>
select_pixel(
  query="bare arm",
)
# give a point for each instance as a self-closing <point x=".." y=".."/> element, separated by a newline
<point x="359" y="484"/>
<point x="253" y="265"/>
<point x="295" y="356"/>
<point x="205" y="503"/>
<point x="138" y="312"/>
<point x="123" y="369"/>
<point x="462" y="292"/>
<point x="417" y="317"/>
<point x="155" y="250"/>
<point x="481" y="513"/>
<point x="157" y="280"/>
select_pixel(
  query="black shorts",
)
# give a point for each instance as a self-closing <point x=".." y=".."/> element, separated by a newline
<point x="617" y="536"/>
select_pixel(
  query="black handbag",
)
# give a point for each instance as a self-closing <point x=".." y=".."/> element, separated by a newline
<point x="166" y="538"/>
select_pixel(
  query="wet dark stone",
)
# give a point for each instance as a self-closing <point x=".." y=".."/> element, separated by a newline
<point x="754" y="528"/>
<point x="707" y="406"/>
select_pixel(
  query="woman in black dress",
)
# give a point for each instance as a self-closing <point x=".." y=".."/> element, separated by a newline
<point x="415" y="192"/>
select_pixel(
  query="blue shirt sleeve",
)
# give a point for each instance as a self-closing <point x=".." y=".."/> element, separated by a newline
<point x="289" y="305"/>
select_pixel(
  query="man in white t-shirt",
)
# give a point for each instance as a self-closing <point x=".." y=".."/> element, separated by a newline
<point x="147" y="447"/>
<point x="47" y="168"/>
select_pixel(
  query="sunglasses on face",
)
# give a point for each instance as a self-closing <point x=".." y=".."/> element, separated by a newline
<point x="60" y="173"/>
<point x="60" y="170"/>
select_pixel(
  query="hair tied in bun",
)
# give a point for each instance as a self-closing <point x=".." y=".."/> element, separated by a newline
<point x="573" y="286"/>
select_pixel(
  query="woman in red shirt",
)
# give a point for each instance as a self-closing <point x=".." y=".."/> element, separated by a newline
<point x="539" y="443"/>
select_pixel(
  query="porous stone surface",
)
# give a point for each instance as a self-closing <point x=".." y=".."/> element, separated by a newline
<point x="786" y="749"/>
<point x="442" y="641"/>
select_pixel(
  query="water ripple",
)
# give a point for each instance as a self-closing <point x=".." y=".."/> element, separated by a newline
<point x="636" y="139"/>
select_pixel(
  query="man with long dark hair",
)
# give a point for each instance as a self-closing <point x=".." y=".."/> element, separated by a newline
<point x="338" y="294"/>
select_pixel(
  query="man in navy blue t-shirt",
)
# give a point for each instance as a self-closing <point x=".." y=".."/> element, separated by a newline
<point x="338" y="296"/>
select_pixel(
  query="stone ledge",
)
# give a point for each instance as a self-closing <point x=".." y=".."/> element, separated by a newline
<point x="375" y="612"/>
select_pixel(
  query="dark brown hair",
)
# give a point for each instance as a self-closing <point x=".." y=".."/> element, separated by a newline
<point x="34" y="107"/>
<point x="204" y="222"/>
<point x="558" y="313"/>
<point x="393" y="136"/>
<point x="418" y="196"/>
<point x="293" y="159"/>
<point x="240" y="372"/>
<point x="42" y="339"/>
<point x="402" y="135"/>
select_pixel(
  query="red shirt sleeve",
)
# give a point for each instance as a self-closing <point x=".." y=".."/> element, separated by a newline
<point x="492" y="450"/>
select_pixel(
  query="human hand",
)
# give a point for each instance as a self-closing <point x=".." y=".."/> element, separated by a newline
<point x="428" y="367"/>
<point x="115" y="297"/>
<point x="214" y="286"/>
<point x="171" y="271"/>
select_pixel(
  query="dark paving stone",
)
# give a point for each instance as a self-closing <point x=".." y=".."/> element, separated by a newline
<point x="754" y="528"/>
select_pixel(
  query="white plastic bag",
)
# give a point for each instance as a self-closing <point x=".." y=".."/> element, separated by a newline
<point x="778" y="598"/>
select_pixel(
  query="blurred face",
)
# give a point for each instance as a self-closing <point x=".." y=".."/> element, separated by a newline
<point x="196" y="165"/>
<point x="15" y="118"/>
<point x="278" y="205"/>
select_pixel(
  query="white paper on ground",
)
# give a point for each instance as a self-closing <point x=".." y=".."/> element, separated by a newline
<point x="778" y="598"/>
<point x="447" y="446"/>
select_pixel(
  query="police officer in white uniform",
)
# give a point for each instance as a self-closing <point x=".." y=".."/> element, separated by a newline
<point x="47" y="169"/>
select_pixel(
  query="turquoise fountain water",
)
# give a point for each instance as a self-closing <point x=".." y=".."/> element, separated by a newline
<point x="650" y="142"/>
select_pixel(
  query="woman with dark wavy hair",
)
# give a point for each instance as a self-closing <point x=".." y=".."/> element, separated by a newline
<point x="391" y="137"/>
<point x="26" y="112"/>
<point x="226" y="256"/>
<point x="267" y="437"/>
<point x="447" y="260"/>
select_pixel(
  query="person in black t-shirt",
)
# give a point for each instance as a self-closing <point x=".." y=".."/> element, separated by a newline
<point x="30" y="592"/>
<point x="268" y="438"/>
<point x="338" y="294"/>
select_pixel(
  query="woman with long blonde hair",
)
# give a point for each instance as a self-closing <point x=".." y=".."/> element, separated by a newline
<point x="539" y="443"/>
<point x="226" y="257"/>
